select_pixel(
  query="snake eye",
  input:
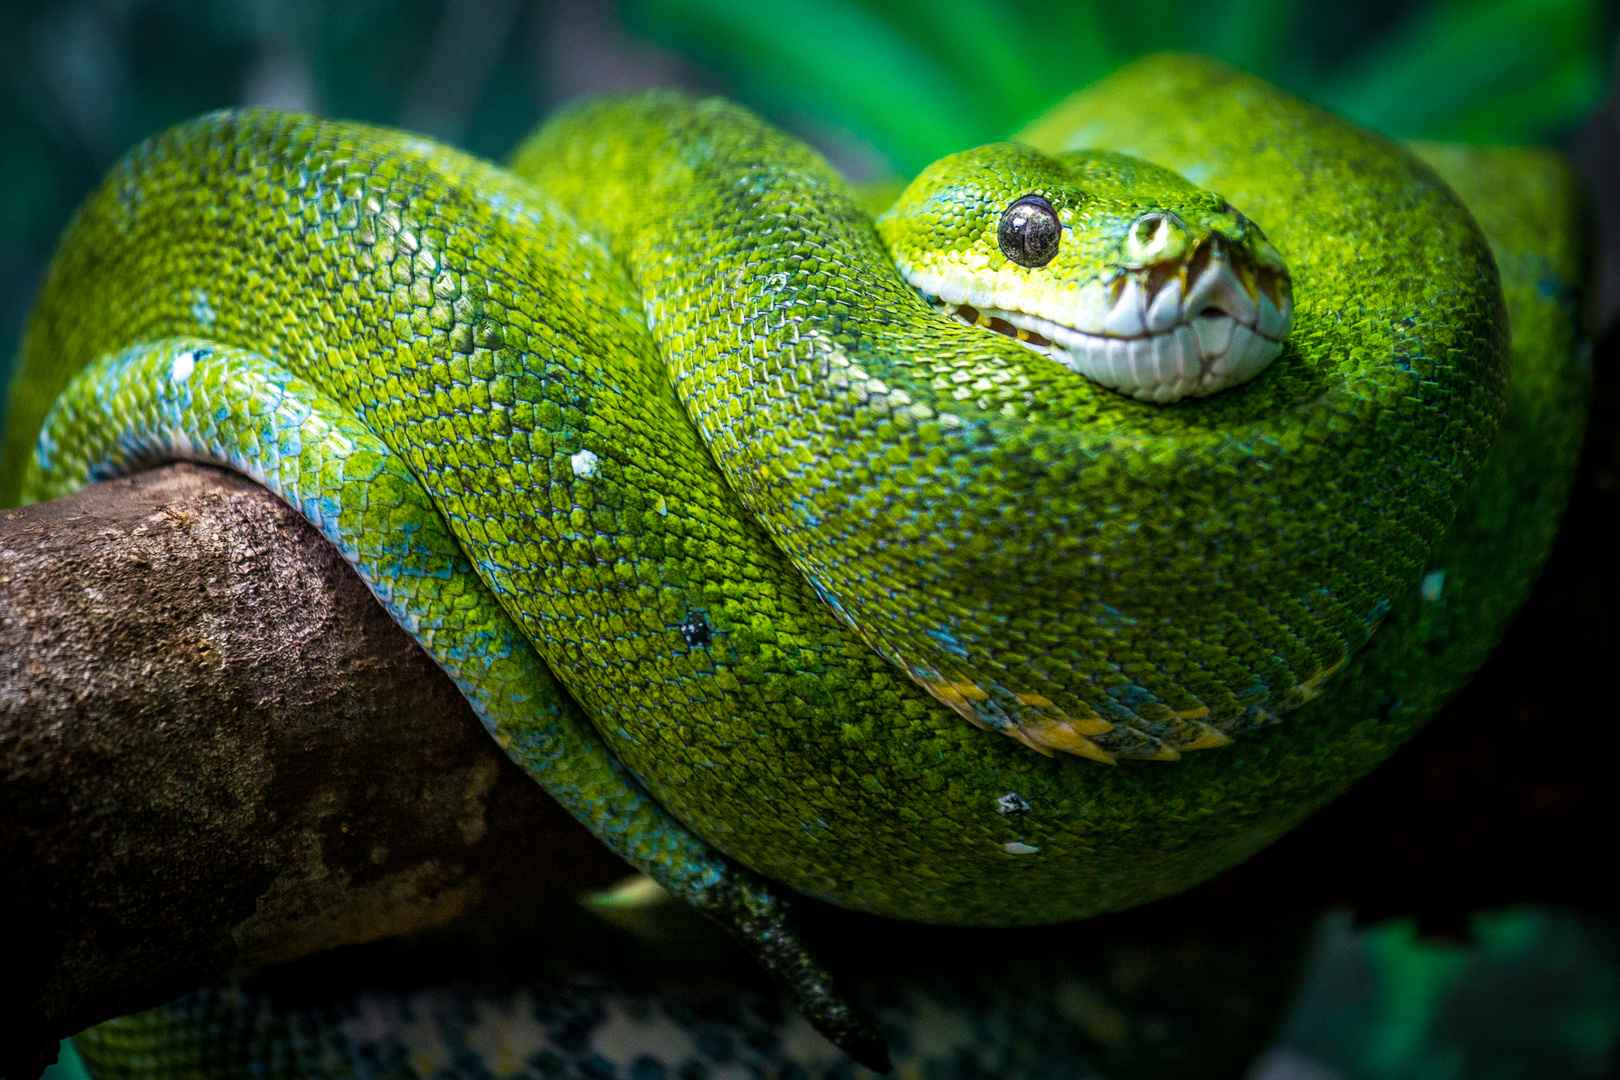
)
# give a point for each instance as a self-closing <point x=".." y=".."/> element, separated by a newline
<point x="1029" y="231"/>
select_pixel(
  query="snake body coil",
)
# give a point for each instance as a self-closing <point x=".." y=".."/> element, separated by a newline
<point x="777" y="524"/>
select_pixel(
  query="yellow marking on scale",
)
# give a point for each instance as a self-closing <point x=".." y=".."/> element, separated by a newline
<point x="1312" y="687"/>
<point x="969" y="690"/>
<point x="1208" y="741"/>
<point x="1032" y="739"/>
<point x="947" y="694"/>
<point x="1064" y="737"/>
<point x="1086" y="725"/>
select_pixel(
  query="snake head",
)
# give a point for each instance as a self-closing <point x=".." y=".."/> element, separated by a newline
<point x="1116" y="268"/>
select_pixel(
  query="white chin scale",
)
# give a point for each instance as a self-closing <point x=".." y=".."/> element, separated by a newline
<point x="1163" y="346"/>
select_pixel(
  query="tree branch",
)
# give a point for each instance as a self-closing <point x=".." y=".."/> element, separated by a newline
<point x="217" y="751"/>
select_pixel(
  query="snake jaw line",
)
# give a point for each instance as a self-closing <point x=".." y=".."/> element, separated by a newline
<point x="1188" y="327"/>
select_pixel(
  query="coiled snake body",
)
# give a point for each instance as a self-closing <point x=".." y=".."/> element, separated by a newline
<point x="725" y="526"/>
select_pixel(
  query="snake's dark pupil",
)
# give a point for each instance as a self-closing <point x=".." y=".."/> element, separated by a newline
<point x="1030" y="231"/>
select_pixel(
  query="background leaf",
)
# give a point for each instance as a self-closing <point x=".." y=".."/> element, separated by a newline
<point x="920" y="80"/>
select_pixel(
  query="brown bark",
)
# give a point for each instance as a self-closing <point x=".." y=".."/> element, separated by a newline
<point x="218" y="751"/>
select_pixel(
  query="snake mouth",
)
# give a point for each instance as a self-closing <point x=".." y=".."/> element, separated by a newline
<point x="1166" y="331"/>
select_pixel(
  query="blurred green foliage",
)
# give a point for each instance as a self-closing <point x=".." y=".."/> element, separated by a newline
<point x="83" y="80"/>
<point x="69" y="1066"/>
<point x="883" y="86"/>
<point x="1533" y="994"/>
<point x="922" y="78"/>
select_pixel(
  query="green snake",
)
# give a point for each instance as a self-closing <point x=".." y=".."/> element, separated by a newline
<point x="1048" y="544"/>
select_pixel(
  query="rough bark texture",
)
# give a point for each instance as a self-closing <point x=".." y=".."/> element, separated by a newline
<point x="218" y="751"/>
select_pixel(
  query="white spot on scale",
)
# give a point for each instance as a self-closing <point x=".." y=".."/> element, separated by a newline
<point x="1018" y="847"/>
<point x="181" y="367"/>
<point x="583" y="463"/>
<point x="1433" y="582"/>
<point x="1012" y="803"/>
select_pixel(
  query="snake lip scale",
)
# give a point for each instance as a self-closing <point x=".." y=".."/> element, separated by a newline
<point x="1176" y="328"/>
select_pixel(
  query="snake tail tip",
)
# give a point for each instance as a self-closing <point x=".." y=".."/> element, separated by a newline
<point x="758" y="916"/>
<point x="838" y="1019"/>
<point x="868" y="1049"/>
